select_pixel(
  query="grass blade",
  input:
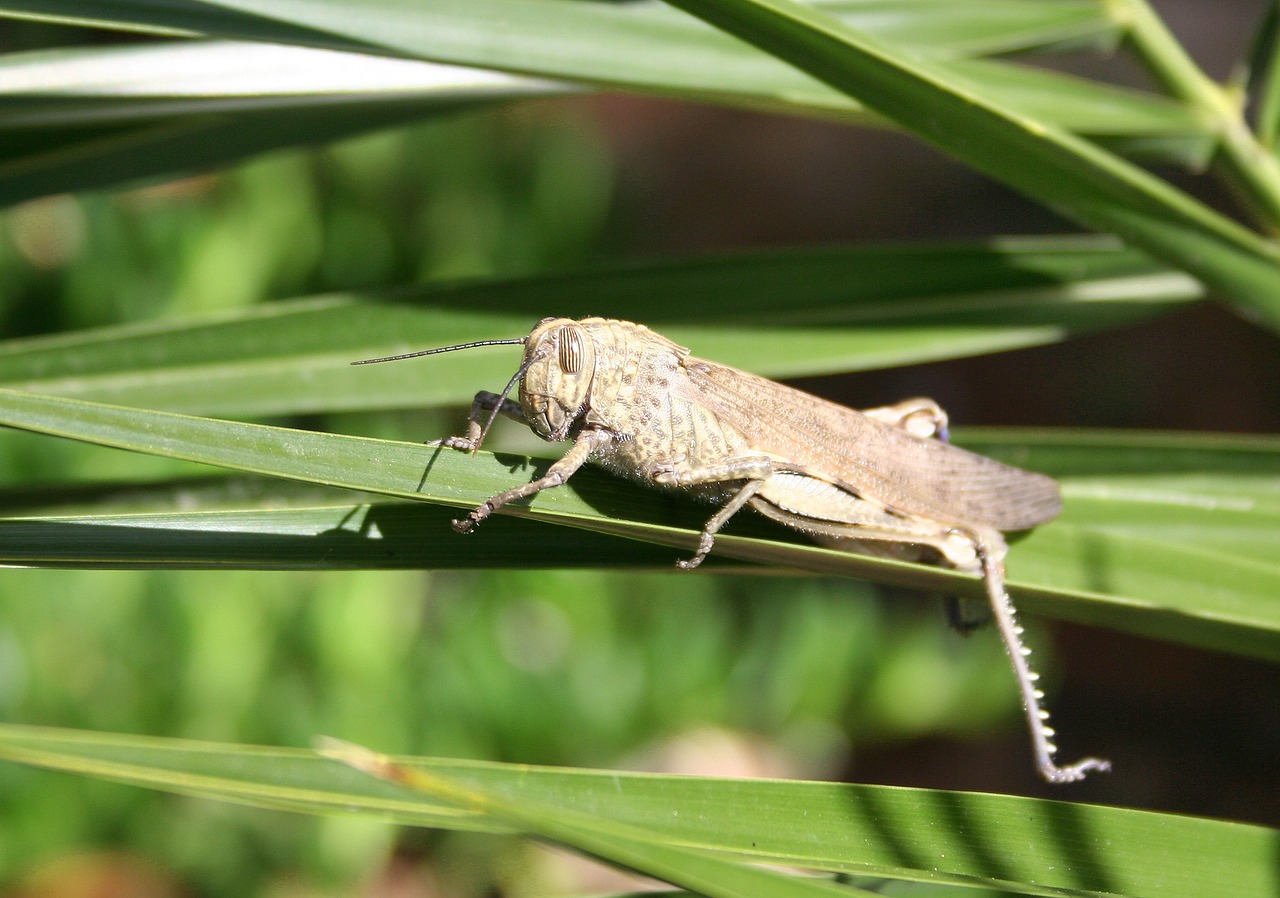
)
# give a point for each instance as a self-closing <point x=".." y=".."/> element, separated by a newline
<point x="1064" y="171"/>
<point x="626" y="846"/>
<point x="917" y="834"/>
<point x="1107" y="560"/>
<point x="85" y="118"/>
<point x="819" y="311"/>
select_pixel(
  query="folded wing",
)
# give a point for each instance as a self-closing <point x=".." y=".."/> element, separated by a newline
<point x="907" y="474"/>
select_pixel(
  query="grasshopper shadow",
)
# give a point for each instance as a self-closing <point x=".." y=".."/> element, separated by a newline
<point x="962" y="842"/>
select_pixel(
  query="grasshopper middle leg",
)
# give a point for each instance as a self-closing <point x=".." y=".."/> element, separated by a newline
<point x="920" y="416"/>
<point x="753" y="471"/>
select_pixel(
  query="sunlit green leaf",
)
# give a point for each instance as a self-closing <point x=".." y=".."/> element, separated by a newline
<point x="83" y="118"/>
<point x="944" y="837"/>
<point x="166" y="108"/>
<point x="1123" y="554"/>
<point x="1055" y="167"/>
<point x="625" y="845"/>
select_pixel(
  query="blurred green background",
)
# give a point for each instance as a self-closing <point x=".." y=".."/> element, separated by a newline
<point x="776" y="676"/>
<point x="731" y="674"/>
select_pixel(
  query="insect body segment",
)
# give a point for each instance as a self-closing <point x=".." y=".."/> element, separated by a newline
<point x="885" y="480"/>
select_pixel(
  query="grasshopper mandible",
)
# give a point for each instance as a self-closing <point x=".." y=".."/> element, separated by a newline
<point x="883" y="480"/>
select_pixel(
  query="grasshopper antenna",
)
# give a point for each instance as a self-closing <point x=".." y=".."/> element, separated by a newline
<point x="421" y="352"/>
<point x="497" y="406"/>
<point x="502" y="397"/>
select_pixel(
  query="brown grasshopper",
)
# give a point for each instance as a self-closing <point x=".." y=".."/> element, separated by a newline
<point x="883" y="480"/>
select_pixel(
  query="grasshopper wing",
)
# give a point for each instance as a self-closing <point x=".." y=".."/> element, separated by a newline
<point x="873" y="459"/>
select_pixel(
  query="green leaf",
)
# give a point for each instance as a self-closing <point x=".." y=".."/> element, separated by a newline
<point x="818" y="311"/>
<point x="916" y="834"/>
<point x="325" y="532"/>
<point x="1264" y="75"/>
<point x="1035" y="156"/>
<point x="639" y="47"/>
<point x="624" y="845"/>
<point x="1166" y="524"/>
<point x="981" y="27"/>
<point x="1141" y="557"/>
<point x="80" y="119"/>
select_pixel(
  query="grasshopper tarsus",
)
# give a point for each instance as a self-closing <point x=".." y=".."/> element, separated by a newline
<point x="462" y="444"/>
<point x="645" y="408"/>
<point x="705" y="542"/>
<point x="718" y="520"/>
<point x="990" y="550"/>
<point x="1073" y="773"/>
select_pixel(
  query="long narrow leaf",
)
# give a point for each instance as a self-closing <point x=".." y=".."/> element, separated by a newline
<point x="984" y="26"/>
<point x="1115" y="567"/>
<point x="86" y="118"/>
<point x="817" y="311"/>
<point x="945" y="837"/>
<point x="638" y="47"/>
<point x="334" y="535"/>
<point x="1264" y="75"/>
<point x="625" y="845"/>
<point x="1036" y="157"/>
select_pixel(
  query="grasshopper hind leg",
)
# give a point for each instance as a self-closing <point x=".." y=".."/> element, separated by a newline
<point x="990" y="551"/>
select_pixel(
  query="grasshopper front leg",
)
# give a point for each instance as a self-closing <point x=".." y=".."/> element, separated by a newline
<point x="482" y="411"/>
<point x="587" y="442"/>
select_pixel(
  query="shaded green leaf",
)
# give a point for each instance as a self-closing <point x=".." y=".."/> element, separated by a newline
<point x="329" y="534"/>
<point x="818" y="311"/>
<point x="1264" y="75"/>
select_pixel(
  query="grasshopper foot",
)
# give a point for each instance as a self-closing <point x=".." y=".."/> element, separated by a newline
<point x="467" y="524"/>
<point x="704" y="549"/>
<point x="462" y="444"/>
<point x="1073" y="773"/>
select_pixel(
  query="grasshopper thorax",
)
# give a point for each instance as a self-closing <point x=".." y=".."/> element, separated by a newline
<point x="559" y="366"/>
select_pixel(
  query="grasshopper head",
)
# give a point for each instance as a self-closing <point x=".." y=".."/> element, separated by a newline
<point x="560" y="362"/>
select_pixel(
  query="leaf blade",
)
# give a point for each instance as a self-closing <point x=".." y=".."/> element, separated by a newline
<point x="1240" y="614"/>
<point x="1041" y="160"/>
<point x="819" y="311"/>
<point x="916" y="834"/>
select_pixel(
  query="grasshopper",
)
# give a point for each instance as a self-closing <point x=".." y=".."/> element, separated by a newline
<point x="884" y="480"/>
